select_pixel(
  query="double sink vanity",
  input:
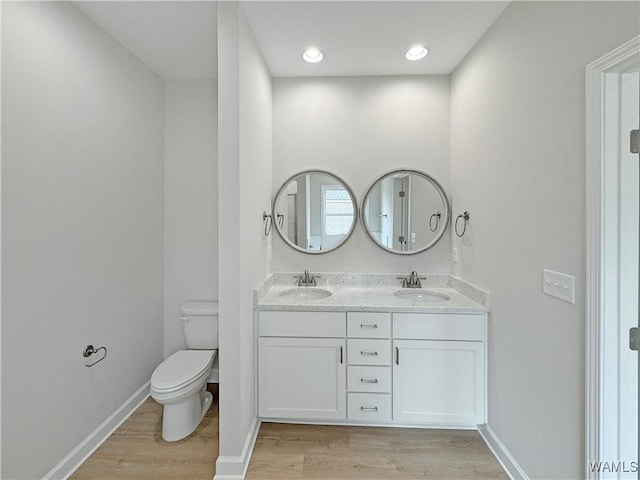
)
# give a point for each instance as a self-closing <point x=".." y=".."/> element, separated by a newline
<point x="369" y="349"/>
<point x="363" y="349"/>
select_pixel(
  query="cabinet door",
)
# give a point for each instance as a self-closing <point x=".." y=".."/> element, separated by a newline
<point x="438" y="382"/>
<point x="302" y="378"/>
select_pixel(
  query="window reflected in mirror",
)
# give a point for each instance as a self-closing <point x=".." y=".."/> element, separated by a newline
<point x="315" y="212"/>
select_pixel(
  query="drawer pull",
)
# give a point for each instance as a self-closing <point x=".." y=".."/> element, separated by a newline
<point x="341" y="357"/>
<point x="368" y="325"/>
<point x="369" y="409"/>
<point x="371" y="354"/>
<point x="367" y="380"/>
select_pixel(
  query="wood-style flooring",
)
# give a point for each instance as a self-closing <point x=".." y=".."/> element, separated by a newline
<point x="136" y="451"/>
<point x="315" y="452"/>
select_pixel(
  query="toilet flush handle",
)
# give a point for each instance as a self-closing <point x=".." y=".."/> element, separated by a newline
<point x="184" y="319"/>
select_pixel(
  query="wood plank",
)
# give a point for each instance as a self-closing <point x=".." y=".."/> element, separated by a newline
<point x="136" y="450"/>
<point x="289" y="451"/>
<point x="315" y="452"/>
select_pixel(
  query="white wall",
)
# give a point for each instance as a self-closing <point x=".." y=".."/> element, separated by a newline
<point x="244" y="192"/>
<point x="256" y="165"/>
<point x="1" y="36"/>
<point x="518" y="165"/>
<point x="359" y="128"/>
<point x="82" y="202"/>
<point x="190" y="200"/>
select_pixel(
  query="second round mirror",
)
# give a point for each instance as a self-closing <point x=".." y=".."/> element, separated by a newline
<point x="314" y="212"/>
<point x="405" y="211"/>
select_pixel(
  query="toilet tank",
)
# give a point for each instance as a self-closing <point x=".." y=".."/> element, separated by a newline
<point x="200" y="323"/>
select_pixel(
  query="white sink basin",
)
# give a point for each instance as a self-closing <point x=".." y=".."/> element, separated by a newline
<point x="306" y="293"/>
<point x="423" y="296"/>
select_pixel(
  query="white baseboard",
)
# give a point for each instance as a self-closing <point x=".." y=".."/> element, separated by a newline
<point x="235" y="468"/>
<point x="505" y="459"/>
<point x="90" y="444"/>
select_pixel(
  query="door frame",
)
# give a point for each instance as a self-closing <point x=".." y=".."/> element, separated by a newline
<point x="595" y="247"/>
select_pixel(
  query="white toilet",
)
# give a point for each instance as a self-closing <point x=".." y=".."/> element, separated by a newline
<point x="179" y="383"/>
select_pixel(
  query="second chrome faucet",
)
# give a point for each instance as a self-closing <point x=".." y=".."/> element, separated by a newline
<point x="412" y="281"/>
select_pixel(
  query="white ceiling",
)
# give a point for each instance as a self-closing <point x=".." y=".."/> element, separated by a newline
<point x="368" y="38"/>
<point x="178" y="39"/>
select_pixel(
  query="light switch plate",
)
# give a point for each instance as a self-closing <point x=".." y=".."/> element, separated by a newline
<point x="559" y="285"/>
<point x="455" y="255"/>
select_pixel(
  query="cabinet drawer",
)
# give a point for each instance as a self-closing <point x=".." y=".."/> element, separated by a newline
<point x="369" y="379"/>
<point x="439" y="326"/>
<point x="368" y="325"/>
<point x="369" y="406"/>
<point x="302" y="324"/>
<point x="368" y="352"/>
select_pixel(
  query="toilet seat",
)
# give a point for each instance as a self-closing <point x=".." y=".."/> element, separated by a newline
<point x="182" y="369"/>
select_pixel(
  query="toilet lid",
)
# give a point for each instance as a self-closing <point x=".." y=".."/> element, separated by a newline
<point x="181" y="368"/>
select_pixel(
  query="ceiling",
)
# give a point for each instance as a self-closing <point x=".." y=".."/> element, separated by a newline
<point x="368" y="38"/>
<point x="178" y="39"/>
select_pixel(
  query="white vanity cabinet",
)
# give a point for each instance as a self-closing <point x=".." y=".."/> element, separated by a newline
<point x="373" y="367"/>
<point x="439" y="369"/>
<point x="302" y="365"/>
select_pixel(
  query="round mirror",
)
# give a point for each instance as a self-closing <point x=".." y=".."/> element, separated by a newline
<point x="314" y="212"/>
<point x="405" y="212"/>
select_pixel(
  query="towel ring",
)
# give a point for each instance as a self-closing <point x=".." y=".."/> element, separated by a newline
<point x="268" y="223"/>
<point x="280" y="219"/>
<point x="437" y="216"/>
<point x="465" y="216"/>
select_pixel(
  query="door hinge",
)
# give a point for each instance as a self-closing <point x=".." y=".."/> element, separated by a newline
<point x="634" y="141"/>
<point x="634" y="339"/>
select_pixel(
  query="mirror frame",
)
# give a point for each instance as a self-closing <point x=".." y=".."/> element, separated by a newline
<point x="440" y="190"/>
<point x="286" y="183"/>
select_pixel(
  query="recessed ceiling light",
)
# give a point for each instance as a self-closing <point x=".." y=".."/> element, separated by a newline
<point x="416" y="53"/>
<point x="312" y="55"/>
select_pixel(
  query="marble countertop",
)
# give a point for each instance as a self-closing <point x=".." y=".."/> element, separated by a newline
<point x="372" y="293"/>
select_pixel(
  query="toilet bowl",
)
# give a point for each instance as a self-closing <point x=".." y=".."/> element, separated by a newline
<point x="179" y="383"/>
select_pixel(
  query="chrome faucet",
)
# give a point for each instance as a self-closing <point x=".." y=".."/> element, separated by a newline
<point x="306" y="280"/>
<point x="412" y="281"/>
